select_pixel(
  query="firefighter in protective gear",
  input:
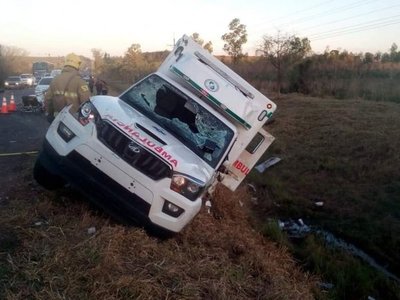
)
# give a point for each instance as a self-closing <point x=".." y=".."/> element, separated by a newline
<point x="66" y="88"/>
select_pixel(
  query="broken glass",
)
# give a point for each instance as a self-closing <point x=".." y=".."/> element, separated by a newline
<point x="191" y="123"/>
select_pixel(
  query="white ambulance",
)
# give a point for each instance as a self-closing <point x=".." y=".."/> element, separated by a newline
<point x="152" y="153"/>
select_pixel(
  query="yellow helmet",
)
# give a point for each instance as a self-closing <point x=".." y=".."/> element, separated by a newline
<point x="73" y="60"/>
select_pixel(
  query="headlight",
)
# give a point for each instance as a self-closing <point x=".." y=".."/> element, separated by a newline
<point x="87" y="113"/>
<point x="187" y="186"/>
<point x="6" y="83"/>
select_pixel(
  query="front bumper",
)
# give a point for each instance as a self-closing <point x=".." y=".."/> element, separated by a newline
<point x="109" y="181"/>
<point x="96" y="185"/>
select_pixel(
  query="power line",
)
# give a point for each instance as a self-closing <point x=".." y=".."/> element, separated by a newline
<point x="326" y="13"/>
<point x="295" y="12"/>
<point x="355" y="27"/>
<point x="354" y="30"/>
<point x="349" y="18"/>
<point x="331" y="12"/>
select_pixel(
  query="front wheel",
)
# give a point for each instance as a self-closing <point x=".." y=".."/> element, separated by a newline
<point x="45" y="178"/>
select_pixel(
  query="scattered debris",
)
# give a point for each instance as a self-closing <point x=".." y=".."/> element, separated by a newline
<point x="335" y="242"/>
<point x="252" y="187"/>
<point x="91" y="230"/>
<point x="326" y="286"/>
<point x="268" y="163"/>
<point x="41" y="222"/>
<point x="241" y="203"/>
<point x="254" y="200"/>
<point x="295" y="229"/>
<point x="281" y="224"/>
<point x="208" y="205"/>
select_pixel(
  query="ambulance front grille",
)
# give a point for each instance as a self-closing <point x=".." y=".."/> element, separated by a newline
<point x="131" y="152"/>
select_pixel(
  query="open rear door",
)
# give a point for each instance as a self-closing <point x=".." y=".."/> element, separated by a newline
<point x="239" y="169"/>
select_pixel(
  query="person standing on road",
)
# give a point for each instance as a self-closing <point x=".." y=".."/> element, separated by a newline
<point x="104" y="89"/>
<point x="91" y="84"/>
<point x="99" y="86"/>
<point x="66" y="88"/>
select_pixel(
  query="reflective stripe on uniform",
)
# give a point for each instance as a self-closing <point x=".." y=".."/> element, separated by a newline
<point x="66" y="94"/>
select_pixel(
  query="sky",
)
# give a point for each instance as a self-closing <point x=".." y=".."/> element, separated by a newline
<point x="56" y="28"/>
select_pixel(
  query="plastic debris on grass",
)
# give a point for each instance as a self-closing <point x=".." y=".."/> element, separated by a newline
<point x="268" y="163"/>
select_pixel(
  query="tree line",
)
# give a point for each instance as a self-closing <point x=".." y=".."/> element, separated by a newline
<point x="283" y="64"/>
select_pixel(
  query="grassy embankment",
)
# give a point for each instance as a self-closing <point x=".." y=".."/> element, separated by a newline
<point x="340" y="152"/>
<point x="344" y="153"/>
<point x="47" y="252"/>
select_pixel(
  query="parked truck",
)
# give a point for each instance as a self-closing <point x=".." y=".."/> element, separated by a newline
<point x="152" y="153"/>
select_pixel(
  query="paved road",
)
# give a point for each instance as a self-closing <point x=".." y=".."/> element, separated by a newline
<point x="20" y="132"/>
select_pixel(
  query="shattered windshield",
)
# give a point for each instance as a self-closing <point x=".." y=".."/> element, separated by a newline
<point x="192" y="124"/>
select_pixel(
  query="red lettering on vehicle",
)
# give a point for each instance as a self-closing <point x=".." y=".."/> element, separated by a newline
<point x="166" y="155"/>
<point x="143" y="140"/>
<point x="158" y="149"/>
<point x="241" y="167"/>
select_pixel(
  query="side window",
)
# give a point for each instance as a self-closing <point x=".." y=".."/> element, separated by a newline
<point x="255" y="143"/>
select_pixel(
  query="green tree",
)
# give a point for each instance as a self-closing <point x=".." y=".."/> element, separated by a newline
<point x="133" y="63"/>
<point x="283" y="51"/>
<point x="368" y="58"/>
<point x="394" y="54"/>
<point x="209" y="47"/>
<point x="97" y="61"/>
<point x="235" y="39"/>
<point x="196" y="37"/>
<point x="13" y="60"/>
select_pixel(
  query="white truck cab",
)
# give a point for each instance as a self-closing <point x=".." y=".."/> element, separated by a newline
<point x="152" y="153"/>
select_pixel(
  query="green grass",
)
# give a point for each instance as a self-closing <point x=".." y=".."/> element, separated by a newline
<point x="346" y="154"/>
<point x="350" y="278"/>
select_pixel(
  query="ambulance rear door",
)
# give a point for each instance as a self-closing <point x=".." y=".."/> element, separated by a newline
<point x="241" y="167"/>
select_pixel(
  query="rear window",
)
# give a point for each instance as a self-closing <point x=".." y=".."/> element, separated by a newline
<point x="45" y="81"/>
<point x="14" y="78"/>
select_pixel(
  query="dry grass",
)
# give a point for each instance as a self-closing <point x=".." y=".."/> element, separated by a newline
<point x="218" y="256"/>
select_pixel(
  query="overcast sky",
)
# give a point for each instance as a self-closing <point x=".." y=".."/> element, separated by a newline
<point x="50" y="27"/>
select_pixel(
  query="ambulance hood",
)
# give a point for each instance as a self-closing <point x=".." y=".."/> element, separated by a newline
<point x="153" y="137"/>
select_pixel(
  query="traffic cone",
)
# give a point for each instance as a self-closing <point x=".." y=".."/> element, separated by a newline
<point x="12" y="106"/>
<point x="4" y="109"/>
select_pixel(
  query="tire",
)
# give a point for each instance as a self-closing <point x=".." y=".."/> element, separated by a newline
<point x="45" y="178"/>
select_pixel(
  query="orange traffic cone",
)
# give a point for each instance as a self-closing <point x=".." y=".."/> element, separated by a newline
<point x="12" y="106"/>
<point x="4" y="109"/>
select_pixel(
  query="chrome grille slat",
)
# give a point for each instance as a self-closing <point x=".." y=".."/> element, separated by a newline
<point x="133" y="153"/>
